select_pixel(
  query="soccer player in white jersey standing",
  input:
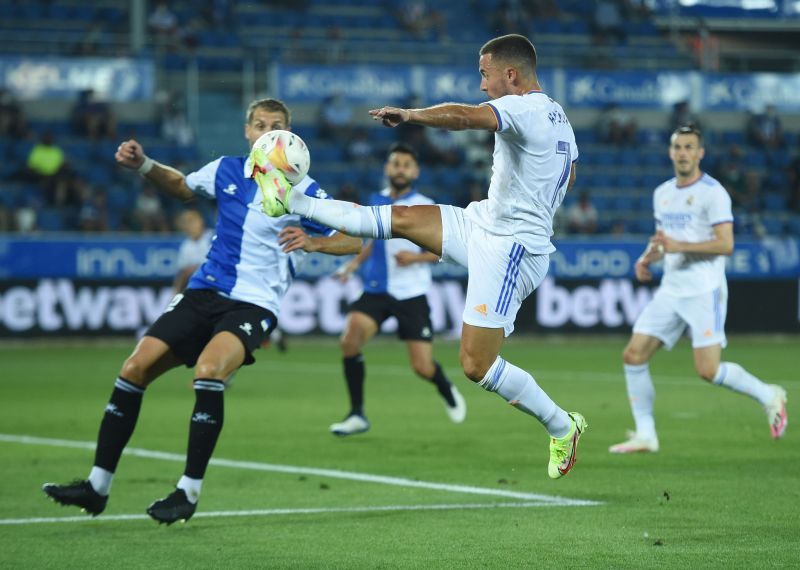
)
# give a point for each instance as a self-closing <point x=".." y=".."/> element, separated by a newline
<point x="396" y="275"/>
<point x="694" y="233"/>
<point x="504" y="241"/>
<point x="193" y="249"/>
<point x="228" y="308"/>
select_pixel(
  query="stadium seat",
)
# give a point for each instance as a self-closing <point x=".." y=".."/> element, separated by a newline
<point x="50" y="220"/>
<point x="627" y="181"/>
<point x="774" y="202"/>
<point x="773" y="226"/>
<point x="793" y="226"/>
<point x="756" y="159"/>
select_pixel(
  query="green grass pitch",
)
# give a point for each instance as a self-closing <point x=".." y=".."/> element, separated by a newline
<point x="721" y="493"/>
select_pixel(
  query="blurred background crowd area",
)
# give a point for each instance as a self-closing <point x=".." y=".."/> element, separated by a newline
<point x="211" y="58"/>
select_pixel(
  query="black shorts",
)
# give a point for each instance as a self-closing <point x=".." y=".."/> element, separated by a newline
<point x="195" y="316"/>
<point x="413" y="315"/>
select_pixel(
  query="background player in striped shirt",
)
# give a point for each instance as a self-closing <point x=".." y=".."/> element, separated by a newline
<point x="396" y="276"/>
<point x="694" y="234"/>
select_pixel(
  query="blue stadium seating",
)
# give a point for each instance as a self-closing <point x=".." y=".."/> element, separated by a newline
<point x="50" y="220"/>
<point x="774" y="201"/>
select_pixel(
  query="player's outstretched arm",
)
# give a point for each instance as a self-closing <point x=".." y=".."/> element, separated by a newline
<point x="168" y="180"/>
<point x="450" y="116"/>
<point x="405" y="258"/>
<point x="293" y="238"/>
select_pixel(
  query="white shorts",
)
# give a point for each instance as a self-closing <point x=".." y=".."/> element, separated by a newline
<point x="501" y="274"/>
<point x="666" y="317"/>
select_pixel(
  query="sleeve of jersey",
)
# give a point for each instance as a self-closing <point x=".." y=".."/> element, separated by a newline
<point x="182" y="255"/>
<point x="655" y="210"/>
<point x="505" y="109"/>
<point x="310" y="226"/>
<point x="203" y="181"/>
<point x="575" y="153"/>
<point x="719" y="210"/>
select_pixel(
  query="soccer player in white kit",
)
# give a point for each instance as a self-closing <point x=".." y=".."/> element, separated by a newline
<point x="504" y="241"/>
<point x="694" y="226"/>
<point x="193" y="250"/>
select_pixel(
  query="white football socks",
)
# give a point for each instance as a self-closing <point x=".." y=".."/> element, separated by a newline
<point x="736" y="378"/>
<point x="347" y="217"/>
<point x="191" y="487"/>
<point x="100" y="480"/>
<point x="520" y="390"/>
<point x="641" y="395"/>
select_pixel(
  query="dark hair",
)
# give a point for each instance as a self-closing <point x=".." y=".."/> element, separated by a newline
<point x="689" y="129"/>
<point x="270" y="105"/>
<point x="514" y="49"/>
<point x="403" y="148"/>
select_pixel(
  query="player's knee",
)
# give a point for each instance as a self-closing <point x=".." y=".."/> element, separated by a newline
<point x="707" y="371"/>
<point x="633" y="356"/>
<point x="474" y="368"/>
<point x="210" y="369"/>
<point x="135" y="371"/>
<point x="350" y="345"/>
<point x="423" y="368"/>
<point x="401" y="219"/>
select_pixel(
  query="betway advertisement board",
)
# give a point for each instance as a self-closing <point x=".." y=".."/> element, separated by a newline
<point x="67" y="307"/>
<point x="117" y="287"/>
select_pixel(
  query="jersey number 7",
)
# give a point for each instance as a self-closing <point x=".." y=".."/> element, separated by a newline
<point x="562" y="148"/>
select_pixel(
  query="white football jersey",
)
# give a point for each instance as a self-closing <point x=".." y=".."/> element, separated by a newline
<point x="194" y="251"/>
<point x="380" y="272"/>
<point x="689" y="213"/>
<point x="534" y="148"/>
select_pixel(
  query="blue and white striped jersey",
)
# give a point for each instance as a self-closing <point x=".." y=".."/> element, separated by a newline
<point x="245" y="262"/>
<point x="380" y="272"/>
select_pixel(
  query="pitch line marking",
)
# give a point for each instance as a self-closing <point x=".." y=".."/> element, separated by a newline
<point x="332" y="473"/>
<point x="280" y="512"/>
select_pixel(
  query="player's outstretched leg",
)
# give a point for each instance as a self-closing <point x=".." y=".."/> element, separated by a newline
<point x="278" y="199"/>
<point x="272" y="183"/>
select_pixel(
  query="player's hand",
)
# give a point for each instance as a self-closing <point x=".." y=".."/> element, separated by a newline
<point x="293" y="238"/>
<point x="642" y="270"/>
<point x="344" y="272"/>
<point x="405" y="258"/>
<point x="390" y="116"/>
<point x="665" y="244"/>
<point x="130" y="154"/>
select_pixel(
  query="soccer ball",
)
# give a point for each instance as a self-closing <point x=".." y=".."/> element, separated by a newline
<point x="287" y="152"/>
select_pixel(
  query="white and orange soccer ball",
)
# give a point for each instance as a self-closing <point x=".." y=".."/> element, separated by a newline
<point x="285" y="151"/>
